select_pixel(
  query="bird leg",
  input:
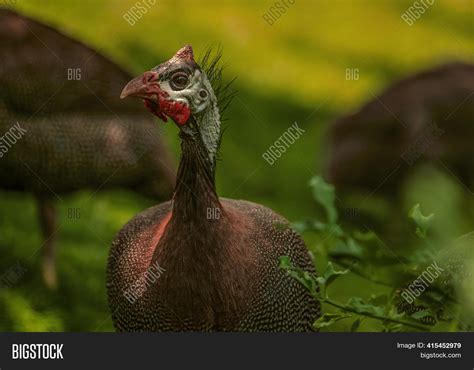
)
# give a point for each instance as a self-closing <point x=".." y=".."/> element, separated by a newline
<point x="47" y="214"/>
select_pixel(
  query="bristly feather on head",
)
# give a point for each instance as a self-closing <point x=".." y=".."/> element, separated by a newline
<point x="211" y="63"/>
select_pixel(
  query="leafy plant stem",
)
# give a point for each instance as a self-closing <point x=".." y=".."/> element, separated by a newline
<point x="373" y="316"/>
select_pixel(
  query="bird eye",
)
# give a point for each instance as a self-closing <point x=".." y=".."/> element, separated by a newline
<point x="179" y="81"/>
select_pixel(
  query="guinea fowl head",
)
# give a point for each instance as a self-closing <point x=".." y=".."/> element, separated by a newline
<point x="181" y="90"/>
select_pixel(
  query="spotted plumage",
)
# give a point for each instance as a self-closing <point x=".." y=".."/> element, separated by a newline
<point x="220" y="257"/>
<point x="273" y="300"/>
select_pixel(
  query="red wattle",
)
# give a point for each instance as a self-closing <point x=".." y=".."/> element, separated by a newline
<point x="178" y="112"/>
<point x="154" y="109"/>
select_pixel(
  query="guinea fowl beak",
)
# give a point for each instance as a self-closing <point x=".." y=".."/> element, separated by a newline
<point x="142" y="86"/>
<point x="156" y="100"/>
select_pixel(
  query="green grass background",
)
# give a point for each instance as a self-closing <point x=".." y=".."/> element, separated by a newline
<point x="292" y="71"/>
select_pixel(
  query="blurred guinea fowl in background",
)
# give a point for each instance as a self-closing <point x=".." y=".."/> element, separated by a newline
<point x="63" y="97"/>
<point x="427" y="117"/>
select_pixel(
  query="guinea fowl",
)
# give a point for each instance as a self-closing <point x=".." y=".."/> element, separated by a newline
<point x="424" y="118"/>
<point x="78" y="133"/>
<point x="200" y="262"/>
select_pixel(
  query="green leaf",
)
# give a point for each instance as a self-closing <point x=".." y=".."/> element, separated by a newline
<point x="392" y="328"/>
<point x="307" y="279"/>
<point x="308" y="225"/>
<point x="335" y="230"/>
<point x="285" y="263"/>
<point x="348" y="248"/>
<point x="362" y="307"/>
<point x="436" y="296"/>
<point x="364" y="236"/>
<point x="324" y="194"/>
<point x="379" y="300"/>
<point x="355" y="325"/>
<point x="331" y="274"/>
<point x="422" y="222"/>
<point x="421" y="314"/>
<point x="329" y="319"/>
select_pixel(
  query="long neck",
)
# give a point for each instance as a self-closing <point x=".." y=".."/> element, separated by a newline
<point x="201" y="240"/>
<point x="195" y="196"/>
